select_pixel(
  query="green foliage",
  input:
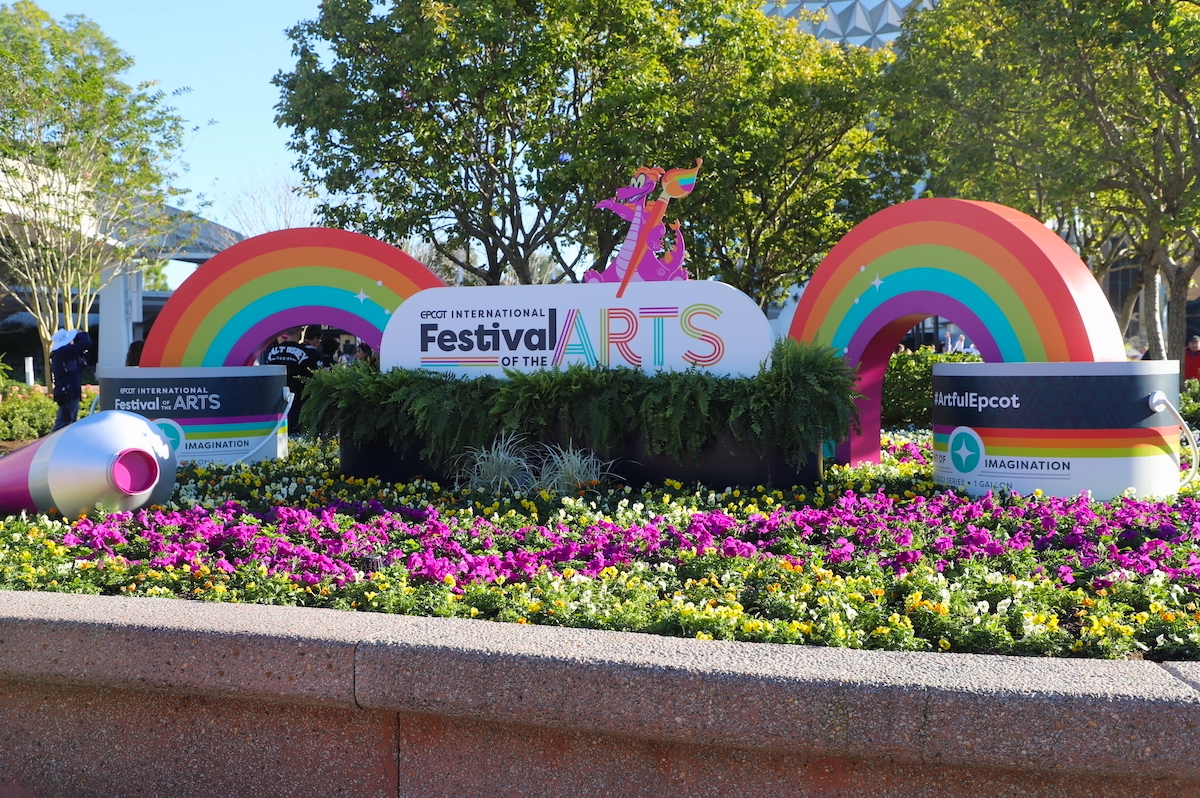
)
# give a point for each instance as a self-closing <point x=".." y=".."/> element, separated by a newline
<point x="510" y="464"/>
<point x="419" y="412"/>
<point x="803" y="397"/>
<point x="503" y="466"/>
<point x="908" y="386"/>
<point x="578" y="405"/>
<point x="1071" y="111"/>
<point x="490" y="129"/>
<point x="563" y="470"/>
<point x="793" y="146"/>
<point x="80" y="150"/>
<point x="681" y="412"/>
<point x="1189" y="403"/>
<point x="442" y="122"/>
<point x="26" y="413"/>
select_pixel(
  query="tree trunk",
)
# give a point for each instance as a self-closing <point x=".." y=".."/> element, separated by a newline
<point x="1177" y="299"/>
<point x="1152" y="313"/>
<point x="46" y="360"/>
<point x="1135" y="290"/>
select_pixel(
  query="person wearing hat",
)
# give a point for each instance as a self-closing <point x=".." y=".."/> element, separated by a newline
<point x="68" y="358"/>
<point x="1190" y="364"/>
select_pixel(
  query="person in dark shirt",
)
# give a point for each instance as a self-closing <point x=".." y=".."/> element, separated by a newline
<point x="68" y="358"/>
<point x="312" y="343"/>
<point x="300" y="360"/>
<point x="330" y="350"/>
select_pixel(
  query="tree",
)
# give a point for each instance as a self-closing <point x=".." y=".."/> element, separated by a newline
<point x="491" y="129"/>
<point x="1086" y="107"/>
<point x="83" y="166"/>
<point x="793" y="146"/>
<point x="269" y="201"/>
<point x="442" y="120"/>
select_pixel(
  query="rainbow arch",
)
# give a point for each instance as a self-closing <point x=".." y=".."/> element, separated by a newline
<point x="232" y="305"/>
<point x="1012" y="285"/>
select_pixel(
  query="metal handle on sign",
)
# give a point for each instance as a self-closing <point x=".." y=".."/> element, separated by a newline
<point x="1158" y="403"/>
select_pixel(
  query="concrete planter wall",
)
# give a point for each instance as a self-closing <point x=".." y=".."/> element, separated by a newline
<point x="104" y="696"/>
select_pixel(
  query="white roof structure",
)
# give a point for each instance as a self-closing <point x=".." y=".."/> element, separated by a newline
<point x="865" y="23"/>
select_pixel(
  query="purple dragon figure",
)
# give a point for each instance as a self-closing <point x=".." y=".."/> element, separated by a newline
<point x="644" y="239"/>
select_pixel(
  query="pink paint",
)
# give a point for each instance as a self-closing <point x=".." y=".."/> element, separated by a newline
<point x="15" y="468"/>
<point x="134" y="471"/>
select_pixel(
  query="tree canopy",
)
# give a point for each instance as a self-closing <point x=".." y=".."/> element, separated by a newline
<point x="443" y="120"/>
<point x="84" y="165"/>
<point x="491" y="129"/>
<point x="791" y="137"/>
<point x="1081" y="111"/>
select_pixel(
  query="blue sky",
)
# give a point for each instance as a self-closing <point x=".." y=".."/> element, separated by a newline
<point x="226" y="52"/>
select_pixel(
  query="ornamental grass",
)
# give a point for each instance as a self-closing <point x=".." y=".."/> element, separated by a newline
<point x="874" y="557"/>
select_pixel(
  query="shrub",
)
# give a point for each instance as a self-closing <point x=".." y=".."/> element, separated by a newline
<point x="510" y="464"/>
<point x="1189" y="403"/>
<point x="908" y="386"/>
<point x="505" y="465"/>
<point x="25" y="413"/>
<point x="802" y="398"/>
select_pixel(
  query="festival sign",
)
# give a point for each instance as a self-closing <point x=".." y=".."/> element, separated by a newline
<point x="211" y="414"/>
<point x="1061" y="428"/>
<point x="641" y="311"/>
<point x="655" y="326"/>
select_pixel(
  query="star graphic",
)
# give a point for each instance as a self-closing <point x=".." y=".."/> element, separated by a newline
<point x="877" y="282"/>
<point x="361" y="296"/>
<point x="963" y="452"/>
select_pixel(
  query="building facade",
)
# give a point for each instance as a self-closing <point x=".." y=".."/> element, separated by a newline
<point x="865" y="23"/>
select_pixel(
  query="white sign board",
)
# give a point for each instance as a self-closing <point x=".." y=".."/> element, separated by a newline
<point x="667" y="326"/>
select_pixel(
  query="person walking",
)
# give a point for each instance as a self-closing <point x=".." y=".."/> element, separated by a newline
<point x="68" y="358"/>
<point x="1190" y="364"/>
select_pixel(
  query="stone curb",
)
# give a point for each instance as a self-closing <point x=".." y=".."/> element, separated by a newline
<point x="956" y="710"/>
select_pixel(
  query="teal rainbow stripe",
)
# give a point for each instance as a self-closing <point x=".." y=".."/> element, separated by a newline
<point x="948" y="283"/>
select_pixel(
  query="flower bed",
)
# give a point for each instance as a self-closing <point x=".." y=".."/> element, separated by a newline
<point x="872" y="558"/>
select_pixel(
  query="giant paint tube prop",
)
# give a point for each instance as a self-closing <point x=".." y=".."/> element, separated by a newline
<point x="111" y="460"/>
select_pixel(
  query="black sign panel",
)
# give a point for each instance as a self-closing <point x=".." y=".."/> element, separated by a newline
<point x="1102" y="401"/>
